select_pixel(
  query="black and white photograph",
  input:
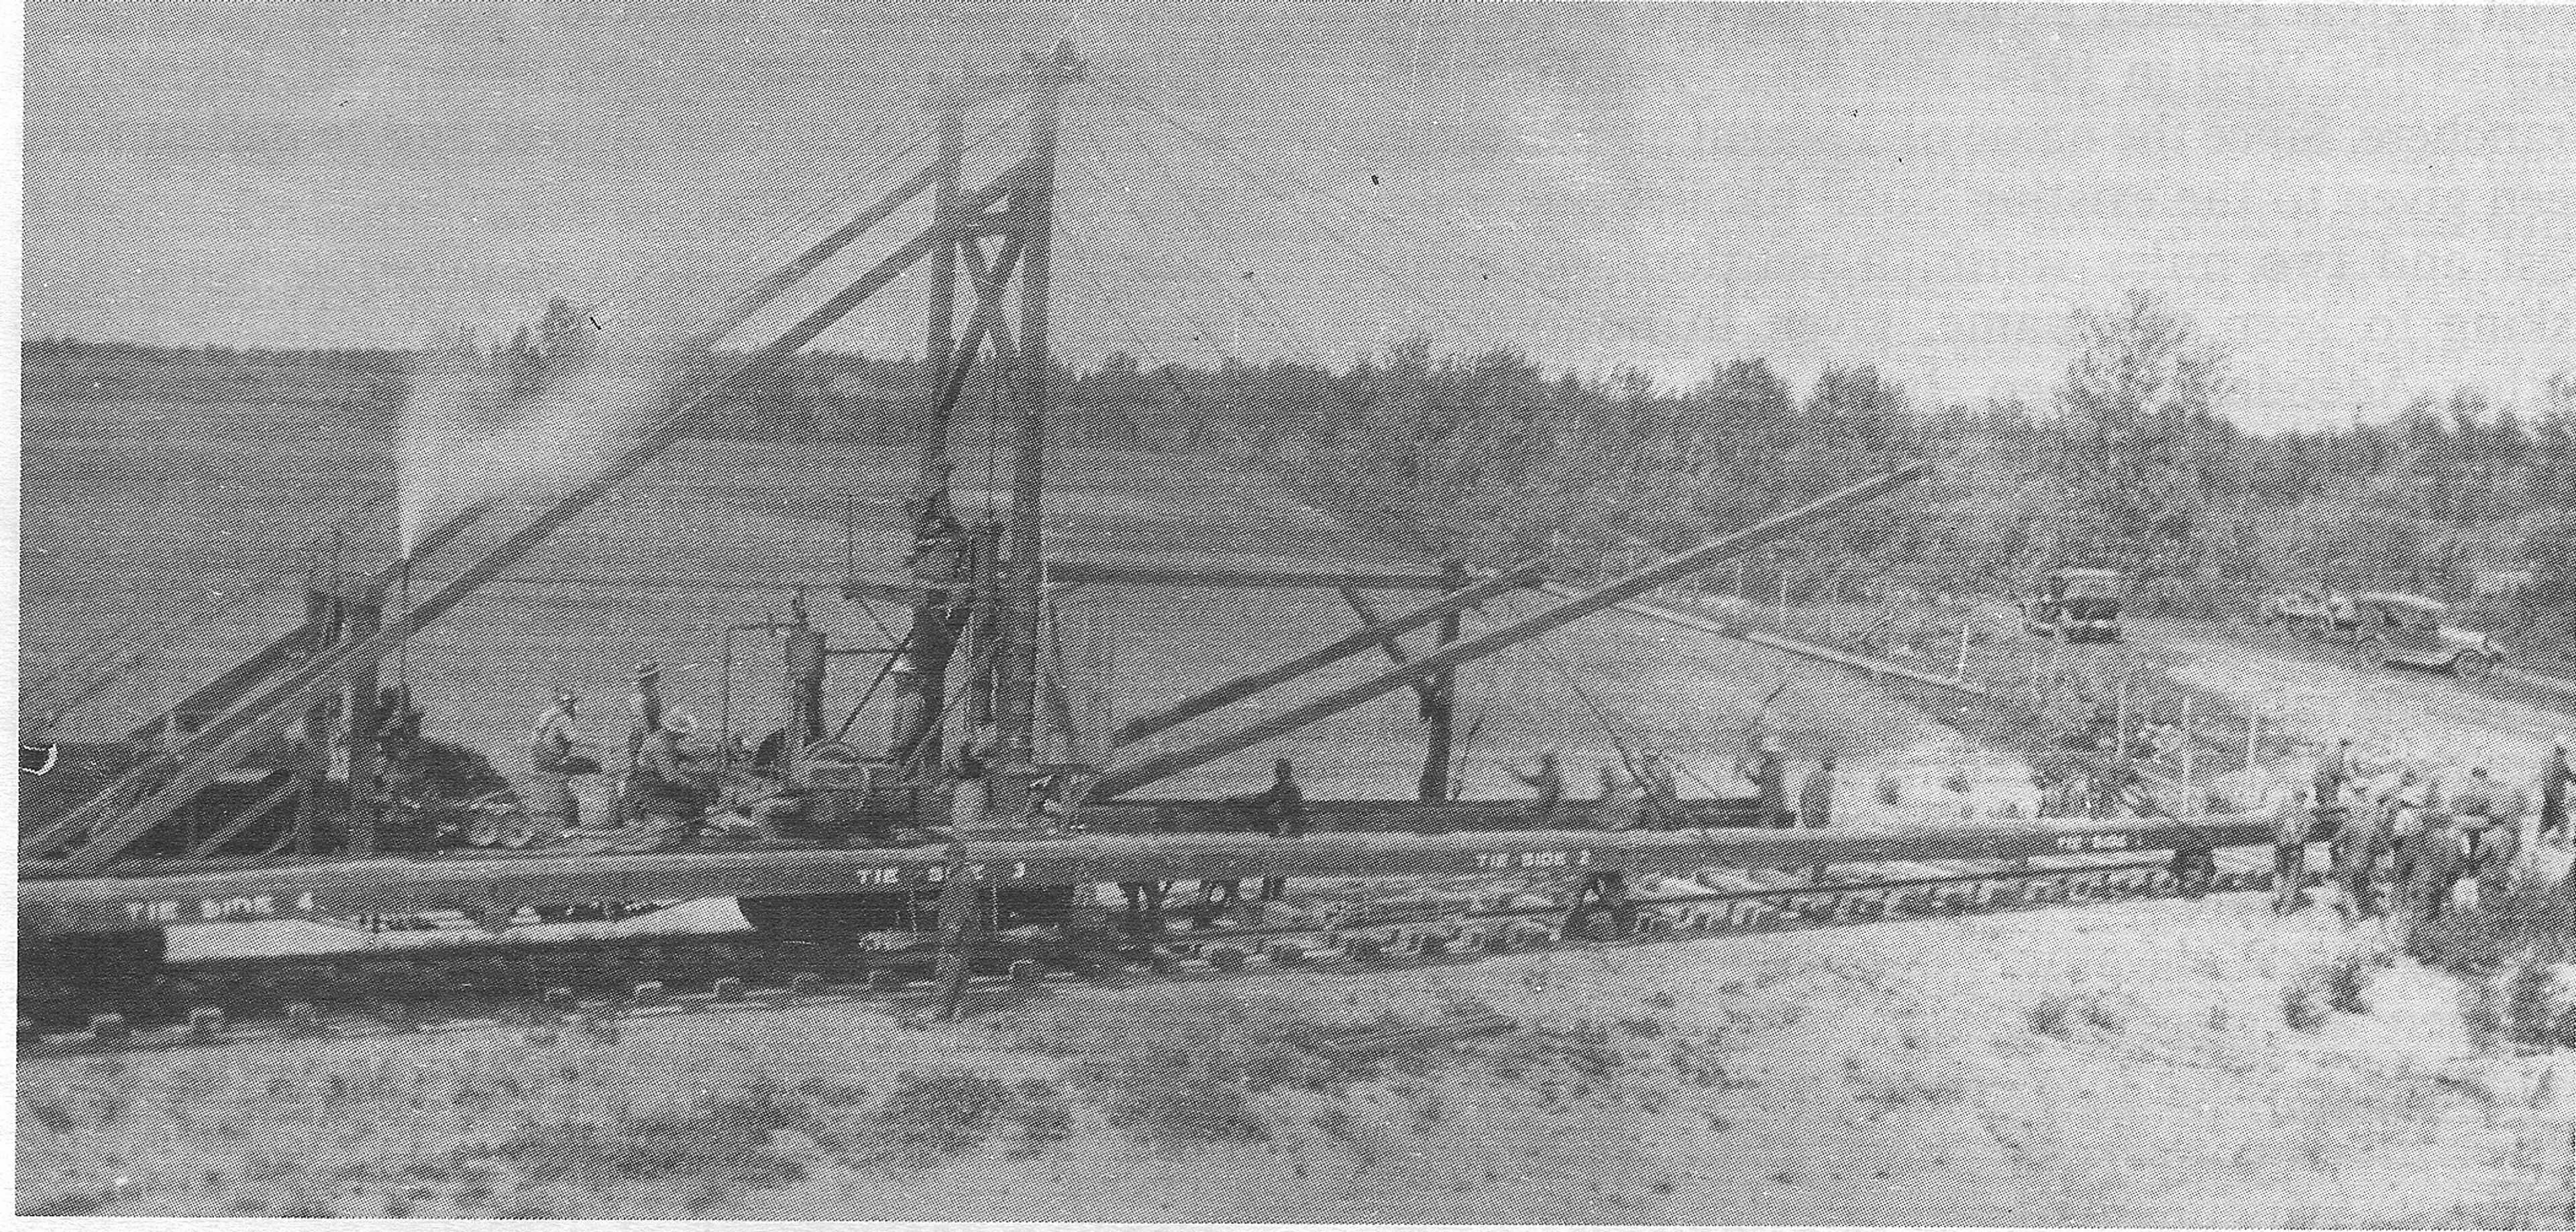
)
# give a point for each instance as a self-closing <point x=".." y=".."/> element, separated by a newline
<point x="1387" y="612"/>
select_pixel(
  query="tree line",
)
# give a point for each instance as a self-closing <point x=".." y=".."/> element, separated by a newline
<point x="2137" y="462"/>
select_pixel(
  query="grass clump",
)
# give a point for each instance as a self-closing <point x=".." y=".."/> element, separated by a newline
<point x="729" y="1141"/>
<point x="2523" y="923"/>
<point x="2058" y="1016"/>
<point x="928" y="1117"/>
<point x="2300" y="1008"/>
<point x="2343" y="983"/>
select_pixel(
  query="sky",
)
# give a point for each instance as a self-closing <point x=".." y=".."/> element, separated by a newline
<point x="2358" y="204"/>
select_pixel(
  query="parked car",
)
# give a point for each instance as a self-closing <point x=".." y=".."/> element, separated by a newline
<point x="2402" y="630"/>
<point x="2075" y="605"/>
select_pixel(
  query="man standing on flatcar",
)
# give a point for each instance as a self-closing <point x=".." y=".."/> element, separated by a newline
<point x="552" y="754"/>
<point x="1547" y="787"/>
<point x="1663" y="791"/>
<point x="1771" y="784"/>
<point x="1283" y="809"/>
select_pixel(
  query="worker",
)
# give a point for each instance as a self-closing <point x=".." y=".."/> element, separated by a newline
<point x="1816" y="797"/>
<point x="1771" y="784"/>
<point x="1616" y="807"/>
<point x="2555" y="774"/>
<point x="1055" y="801"/>
<point x="2291" y="826"/>
<point x="2358" y="844"/>
<point x="2333" y="771"/>
<point x="2407" y="815"/>
<point x="2488" y="818"/>
<point x="1283" y="808"/>
<point x="665" y="803"/>
<point x="644" y="711"/>
<point x="1547" y="787"/>
<point x="1663" y="790"/>
<point x="2458" y="841"/>
<point x="553" y="753"/>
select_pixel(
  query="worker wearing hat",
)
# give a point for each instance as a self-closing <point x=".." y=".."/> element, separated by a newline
<point x="552" y="753"/>
<point x="1770" y="775"/>
<point x="664" y="805"/>
<point x="645" y="711"/>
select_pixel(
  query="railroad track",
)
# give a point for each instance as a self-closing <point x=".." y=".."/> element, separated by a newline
<point x="595" y="986"/>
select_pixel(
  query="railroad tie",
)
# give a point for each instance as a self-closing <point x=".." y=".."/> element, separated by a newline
<point x="205" y="1024"/>
<point x="303" y="1019"/>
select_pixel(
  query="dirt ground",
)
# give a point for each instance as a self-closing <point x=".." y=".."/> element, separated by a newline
<point x="2151" y="1063"/>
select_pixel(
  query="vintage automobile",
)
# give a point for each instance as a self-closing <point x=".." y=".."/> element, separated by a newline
<point x="2402" y="630"/>
<point x="2075" y="605"/>
<point x="2317" y="614"/>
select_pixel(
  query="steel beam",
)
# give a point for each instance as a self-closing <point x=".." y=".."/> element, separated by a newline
<point x="1790" y="645"/>
<point x="1368" y="637"/>
<point x="1503" y="637"/>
